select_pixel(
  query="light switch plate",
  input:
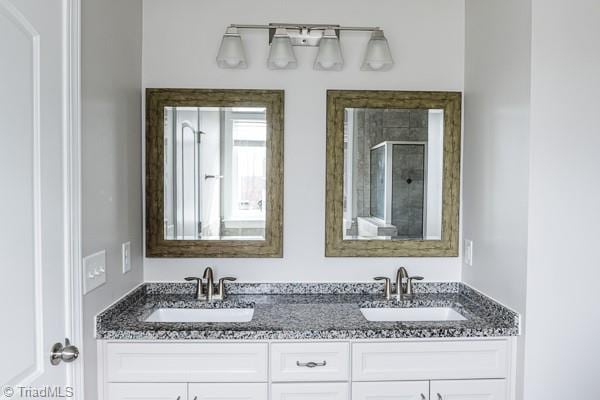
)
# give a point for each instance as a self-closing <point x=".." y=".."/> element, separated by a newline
<point x="126" y="257"/>
<point x="468" y="252"/>
<point x="94" y="271"/>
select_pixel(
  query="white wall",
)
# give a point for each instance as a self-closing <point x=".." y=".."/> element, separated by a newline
<point x="111" y="153"/>
<point x="181" y="38"/>
<point x="563" y="321"/>
<point x="496" y="149"/>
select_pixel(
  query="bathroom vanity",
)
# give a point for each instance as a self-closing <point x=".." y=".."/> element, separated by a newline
<point x="336" y="341"/>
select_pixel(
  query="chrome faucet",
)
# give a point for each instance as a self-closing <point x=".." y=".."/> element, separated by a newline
<point x="210" y="294"/>
<point x="404" y="285"/>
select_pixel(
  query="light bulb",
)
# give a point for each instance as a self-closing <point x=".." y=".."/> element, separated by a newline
<point x="378" y="56"/>
<point x="376" y="65"/>
<point x="281" y="54"/>
<point x="329" y="57"/>
<point x="231" y="52"/>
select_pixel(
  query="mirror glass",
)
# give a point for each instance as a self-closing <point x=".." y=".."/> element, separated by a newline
<point x="215" y="173"/>
<point x="393" y="171"/>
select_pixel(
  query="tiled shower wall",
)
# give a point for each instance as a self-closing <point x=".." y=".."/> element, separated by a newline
<point x="373" y="126"/>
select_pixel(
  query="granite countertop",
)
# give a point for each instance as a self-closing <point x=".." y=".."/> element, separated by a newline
<point x="305" y="311"/>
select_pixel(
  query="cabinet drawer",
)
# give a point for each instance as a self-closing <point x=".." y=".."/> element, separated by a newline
<point x="390" y="390"/>
<point x="486" y="389"/>
<point x="186" y="362"/>
<point x="228" y="391"/>
<point x="147" y="391"/>
<point x="312" y="391"/>
<point x="430" y="360"/>
<point x="292" y="362"/>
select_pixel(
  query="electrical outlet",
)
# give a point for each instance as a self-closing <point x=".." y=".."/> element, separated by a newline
<point x="94" y="271"/>
<point x="126" y="257"/>
<point x="468" y="252"/>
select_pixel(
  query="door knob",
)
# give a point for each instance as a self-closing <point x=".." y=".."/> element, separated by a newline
<point x="67" y="353"/>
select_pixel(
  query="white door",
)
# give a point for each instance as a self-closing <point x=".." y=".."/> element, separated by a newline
<point x="390" y="390"/>
<point x="34" y="252"/>
<point x="484" y="389"/>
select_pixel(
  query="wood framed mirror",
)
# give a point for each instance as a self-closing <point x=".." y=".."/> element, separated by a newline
<point x="393" y="173"/>
<point x="214" y="173"/>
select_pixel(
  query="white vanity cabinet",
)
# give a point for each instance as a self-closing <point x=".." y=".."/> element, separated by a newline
<point x="399" y="369"/>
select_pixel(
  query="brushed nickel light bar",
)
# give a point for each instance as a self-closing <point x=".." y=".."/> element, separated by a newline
<point x="283" y="36"/>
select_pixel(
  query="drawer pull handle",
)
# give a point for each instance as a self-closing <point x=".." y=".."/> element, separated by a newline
<point x="423" y="397"/>
<point x="440" y="397"/>
<point x="311" y="364"/>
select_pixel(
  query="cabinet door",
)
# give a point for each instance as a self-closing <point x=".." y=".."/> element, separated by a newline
<point x="390" y="390"/>
<point x="228" y="391"/>
<point x="485" y="389"/>
<point x="147" y="391"/>
<point x="309" y="391"/>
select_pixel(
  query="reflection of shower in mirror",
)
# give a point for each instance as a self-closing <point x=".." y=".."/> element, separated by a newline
<point x="393" y="174"/>
<point x="214" y="173"/>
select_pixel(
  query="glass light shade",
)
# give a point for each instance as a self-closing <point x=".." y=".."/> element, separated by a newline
<point x="231" y="53"/>
<point x="281" y="54"/>
<point x="378" y="56"/>
<point x="329" y="57"/>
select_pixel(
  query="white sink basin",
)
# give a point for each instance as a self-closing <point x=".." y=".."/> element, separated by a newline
<point x="201" y="315"/>
<point x="411" y="314"/>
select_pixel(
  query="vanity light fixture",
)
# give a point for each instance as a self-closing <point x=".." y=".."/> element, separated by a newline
<point x="329" y="57"/>
<point x="282" y="38"/>
<point x="378" y="56"/>
<point x="231" y="52"/>
<point x="281" y="54"/>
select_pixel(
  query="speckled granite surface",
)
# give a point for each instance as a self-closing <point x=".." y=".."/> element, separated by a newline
<point x="304" y="311"/>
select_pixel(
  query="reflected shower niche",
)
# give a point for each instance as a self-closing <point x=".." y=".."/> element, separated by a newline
<point x="393" y="174"/>
<point x="215" y="173"/>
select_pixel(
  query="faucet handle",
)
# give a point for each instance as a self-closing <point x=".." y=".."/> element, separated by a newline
<point x="409" y="286"/>
<point x="387" y="286"/>
<point x="199" y="291"/>
<point x="221" y="289"/>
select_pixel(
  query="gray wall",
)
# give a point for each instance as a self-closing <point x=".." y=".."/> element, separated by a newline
<point x="496" y="150"/>
<point x="111" y="153"/>
<point x="562" y="346"/>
